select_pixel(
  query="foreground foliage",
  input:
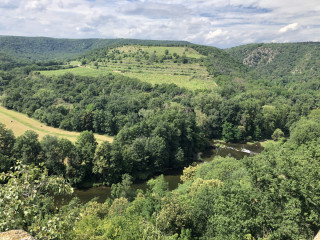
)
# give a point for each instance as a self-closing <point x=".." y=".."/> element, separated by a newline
<point x="273" y="195"/>
<point x="27" y="202"/>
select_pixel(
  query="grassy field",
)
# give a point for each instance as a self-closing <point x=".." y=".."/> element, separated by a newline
<point x="19" y="123"/>
<point x="189" y="82"/>
<point x="131" y="61"/>
<point x="82" y="71"/>
<point x="189" y="52"/>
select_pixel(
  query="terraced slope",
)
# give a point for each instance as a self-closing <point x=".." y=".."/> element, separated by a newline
<point x="182" y="66"/>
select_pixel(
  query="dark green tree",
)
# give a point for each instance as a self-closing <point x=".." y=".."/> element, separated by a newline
<point x="7" y="141"/>
<point x="27" y="148"/>
<point x="123" y="188"/>
<point x="53" y="155"/>
<point x="228" y="132"/>
<point x="305" y="131"/>
<point x="104" y="165"/>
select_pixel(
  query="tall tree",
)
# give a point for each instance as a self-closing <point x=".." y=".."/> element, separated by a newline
<point x="27" y="148"/>
<point x="85" y="148"/>
<point x="53" y="156"/>
<point x="104" y="164"/>
<point x="7" y="141"/>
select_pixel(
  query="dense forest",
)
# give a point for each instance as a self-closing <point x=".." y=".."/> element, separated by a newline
<point x="261" y="92"/>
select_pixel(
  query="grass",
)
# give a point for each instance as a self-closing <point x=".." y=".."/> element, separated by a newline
<point x="267" y="142"/>
<point x="75" y="63"/>
<point x="189" y="52"/>
<point x="19" y="123"/>
<point x="82" y="71"/>
<point x="189" y="82"/>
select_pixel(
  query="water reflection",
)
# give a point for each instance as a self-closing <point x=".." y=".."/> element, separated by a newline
<point x="236" y="150"/>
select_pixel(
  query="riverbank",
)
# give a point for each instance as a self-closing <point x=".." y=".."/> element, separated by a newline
<point x="218" y="148"/>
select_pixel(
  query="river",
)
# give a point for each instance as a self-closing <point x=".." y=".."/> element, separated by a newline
<point x="235" y="150"/>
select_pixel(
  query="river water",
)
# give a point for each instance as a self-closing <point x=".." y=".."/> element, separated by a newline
<point x="235" y="150"/>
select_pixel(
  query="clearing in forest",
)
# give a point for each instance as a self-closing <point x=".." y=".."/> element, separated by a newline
<point x="19" y="123"/>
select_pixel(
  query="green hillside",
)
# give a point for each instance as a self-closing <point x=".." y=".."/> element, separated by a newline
<point x="217" y="61"/>
<point x="182" y="66"/>
<point x="157" y="62"/>
<point x="280" y="59"/>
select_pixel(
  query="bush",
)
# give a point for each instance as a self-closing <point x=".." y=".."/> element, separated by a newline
<point x="277" y="134"/>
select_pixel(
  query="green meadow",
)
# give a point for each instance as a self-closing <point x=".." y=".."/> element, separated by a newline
<point x="189" y="52"/>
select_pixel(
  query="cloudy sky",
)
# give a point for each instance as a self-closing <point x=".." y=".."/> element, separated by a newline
<point x="220" y="23"/>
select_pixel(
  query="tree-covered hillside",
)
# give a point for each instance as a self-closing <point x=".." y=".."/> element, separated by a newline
<point x="278" y="60"/>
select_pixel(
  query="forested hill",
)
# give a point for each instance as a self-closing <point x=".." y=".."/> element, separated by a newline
<point x="43" y="48"/>
<point x="280" y="59"/>
<point x="217" y="61"/>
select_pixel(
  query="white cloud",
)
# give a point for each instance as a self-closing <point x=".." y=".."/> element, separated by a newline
<point x="215" y="22"/>
<point x="213" y="35"/>
<point x="36" y="5"/>
<point x="290" y="27"/>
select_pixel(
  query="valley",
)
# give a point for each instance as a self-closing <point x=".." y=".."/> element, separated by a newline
<point x="130" y="120"/>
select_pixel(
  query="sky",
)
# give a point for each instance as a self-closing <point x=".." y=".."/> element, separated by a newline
<point x="219" y="23"/>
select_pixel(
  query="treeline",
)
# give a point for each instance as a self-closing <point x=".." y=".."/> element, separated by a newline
<point x="161" y="140"/>
<point x="273" y="195"/>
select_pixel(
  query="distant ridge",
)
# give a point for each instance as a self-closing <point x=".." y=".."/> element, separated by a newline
<point x="45" y="48"/>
